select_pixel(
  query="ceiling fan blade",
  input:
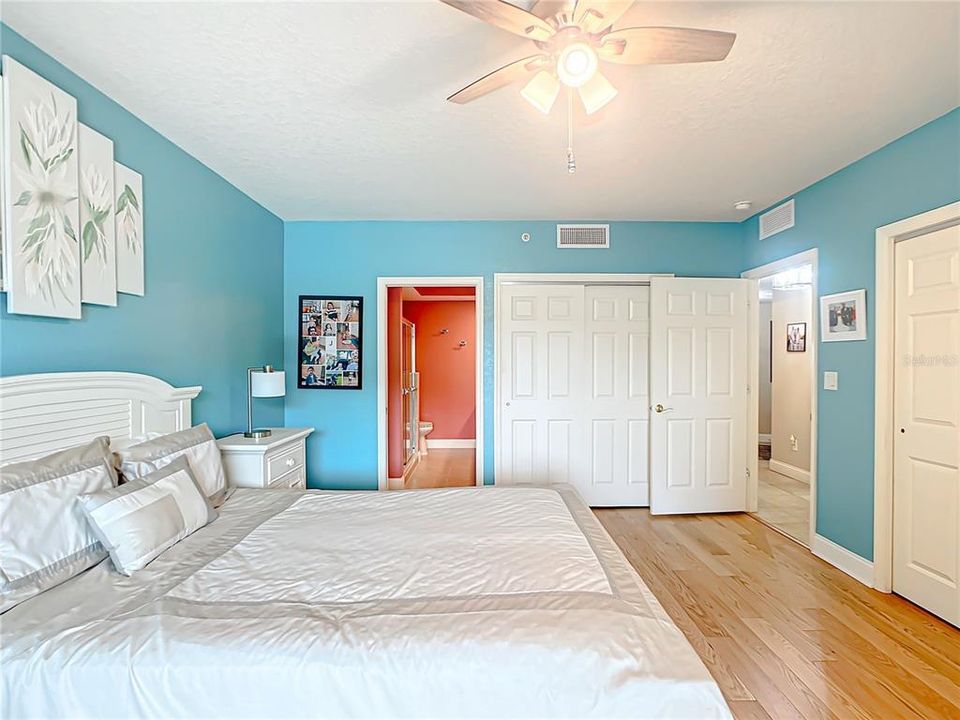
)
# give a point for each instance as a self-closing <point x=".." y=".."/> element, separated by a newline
<point x="597" y="15"/>
<point x="499" y="78"/>
<point x="506" y="16"/>
<point x="546" y="9"/>
<point x="662" y="45"/>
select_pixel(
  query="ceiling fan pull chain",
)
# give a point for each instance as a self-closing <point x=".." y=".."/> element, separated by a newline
<point x="571" y="158"/>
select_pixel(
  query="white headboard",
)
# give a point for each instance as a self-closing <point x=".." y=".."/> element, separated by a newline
<point x="40" y="414"/>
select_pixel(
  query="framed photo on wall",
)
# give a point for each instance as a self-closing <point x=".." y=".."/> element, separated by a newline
<point x="330" y="332"/>
<point x="843" y="316"/>
<point x="797" y="337"/>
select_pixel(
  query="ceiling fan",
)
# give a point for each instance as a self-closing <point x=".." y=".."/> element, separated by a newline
<point x="572" y="38"/>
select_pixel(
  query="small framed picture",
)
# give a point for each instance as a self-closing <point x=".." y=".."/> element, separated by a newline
<point x="797" y="337"/>
<point x="330" y="329"/>
<point x="843" y="316"/>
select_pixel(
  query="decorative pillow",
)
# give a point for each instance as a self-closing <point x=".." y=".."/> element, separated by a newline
<point x="199" y="447"/>
<point x="44" y="537"/>
<point x="140" y="519"/>
<point x="123" y="443"/>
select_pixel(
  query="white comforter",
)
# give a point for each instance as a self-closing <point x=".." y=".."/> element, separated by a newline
<point x="507" y="602"/>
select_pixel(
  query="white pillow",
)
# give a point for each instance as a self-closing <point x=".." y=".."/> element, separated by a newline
<point x="140" y="519"/>
<point x="44" y="537"/>
<point x="196" y="443"/>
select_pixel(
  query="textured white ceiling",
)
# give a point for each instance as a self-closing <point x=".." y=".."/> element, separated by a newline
<point x="336" y="110"/>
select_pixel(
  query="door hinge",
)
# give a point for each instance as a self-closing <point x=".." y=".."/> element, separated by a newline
<point x="748" y="390"/>
<point x="748" y="473"/>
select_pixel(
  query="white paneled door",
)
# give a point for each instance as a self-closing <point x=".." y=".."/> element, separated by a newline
<point x="926" y="486"/>
<point x="698" y="391"/>
<point x="617" y="404"/>
<point x="540" y="341"/>
<point x="573" y="389"/>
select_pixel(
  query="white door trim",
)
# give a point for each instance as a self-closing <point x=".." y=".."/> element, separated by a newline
<point x="500" y="279"/>
<point x="807" y="257"/>
<point x="425" y="281"/>
<point x="887" y="237"/>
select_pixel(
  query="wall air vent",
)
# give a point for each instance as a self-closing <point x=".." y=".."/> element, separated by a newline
<point x="583" y="236"/>
<point x="777" y="220"/>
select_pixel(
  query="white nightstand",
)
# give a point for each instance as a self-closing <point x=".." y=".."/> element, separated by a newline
<point x="278" y="461"/>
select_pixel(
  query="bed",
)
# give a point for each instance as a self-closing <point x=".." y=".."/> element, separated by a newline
<point x="474" y="602"/>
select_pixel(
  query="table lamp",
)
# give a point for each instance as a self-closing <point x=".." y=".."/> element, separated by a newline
<point x="262" y="382"/>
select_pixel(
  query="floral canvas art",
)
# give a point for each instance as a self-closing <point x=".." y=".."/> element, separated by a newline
<point x="98" y="250"/>
<point x="128" y="216"/>
<point x="41" y="206"/>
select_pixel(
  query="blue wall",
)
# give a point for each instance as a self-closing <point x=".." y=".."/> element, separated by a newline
<point x="345" y="258"/>
<point x="214" y="275"/>
<point x="223" y="276"/>
<point x="839" y="215"/>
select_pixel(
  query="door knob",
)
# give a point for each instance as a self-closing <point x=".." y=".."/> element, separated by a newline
<point x="660" y="408"/>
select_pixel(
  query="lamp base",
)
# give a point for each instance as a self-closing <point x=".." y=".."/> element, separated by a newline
<point x="257" y="434"/>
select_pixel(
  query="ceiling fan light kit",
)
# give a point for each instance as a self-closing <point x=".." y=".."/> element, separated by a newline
<point x="573" y="37"/>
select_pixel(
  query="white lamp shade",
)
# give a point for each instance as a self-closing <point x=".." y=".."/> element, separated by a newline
<point x="268" y="384"/>
<point x="596" y="93"/>
<point x="541" y="91"/>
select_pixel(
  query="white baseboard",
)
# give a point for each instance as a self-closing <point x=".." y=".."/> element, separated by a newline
<point x="764" y="438"/>
<point x="842" y="559"/>
<point x="440" y="443"/>
<point x="790" y="471"/>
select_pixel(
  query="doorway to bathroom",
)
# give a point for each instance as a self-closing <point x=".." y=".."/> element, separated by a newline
<point x="429" y="390"/>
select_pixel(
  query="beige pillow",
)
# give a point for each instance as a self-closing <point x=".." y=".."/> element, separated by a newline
<point x="44" y="537"/>
<point x="142" y="518"/>
<point x="197" y="444"/>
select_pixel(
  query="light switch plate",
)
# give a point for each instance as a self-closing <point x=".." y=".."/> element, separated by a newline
<point x="829" y="380"/>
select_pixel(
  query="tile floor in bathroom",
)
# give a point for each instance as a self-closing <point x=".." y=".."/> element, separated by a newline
<point x="784" y="503"/>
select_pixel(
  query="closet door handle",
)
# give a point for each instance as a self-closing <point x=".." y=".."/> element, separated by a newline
<point x="661" y="409"/>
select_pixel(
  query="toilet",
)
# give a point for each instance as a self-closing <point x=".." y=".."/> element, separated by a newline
<point x="425" y="429"/>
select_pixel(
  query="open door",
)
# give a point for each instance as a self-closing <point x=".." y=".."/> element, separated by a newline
<point x="699" y="363"/>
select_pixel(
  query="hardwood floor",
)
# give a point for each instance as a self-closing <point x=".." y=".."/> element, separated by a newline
<point x="444" y="467"/>
<point x="785" y="634"/>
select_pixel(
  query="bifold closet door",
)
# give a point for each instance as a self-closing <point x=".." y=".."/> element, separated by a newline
<point x="926" y="481"/>
<point x="616" y="412"/>
<point x="541" y="366"/>
<point x="698" y="390"/>
<point x="573" y="389"/>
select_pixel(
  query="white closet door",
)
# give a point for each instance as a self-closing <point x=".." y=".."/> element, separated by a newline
<point x="617" y="402"/>
<point x="698" y="388"/>
<point x="926" y="491"/>
<point x="540" y="342"/>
